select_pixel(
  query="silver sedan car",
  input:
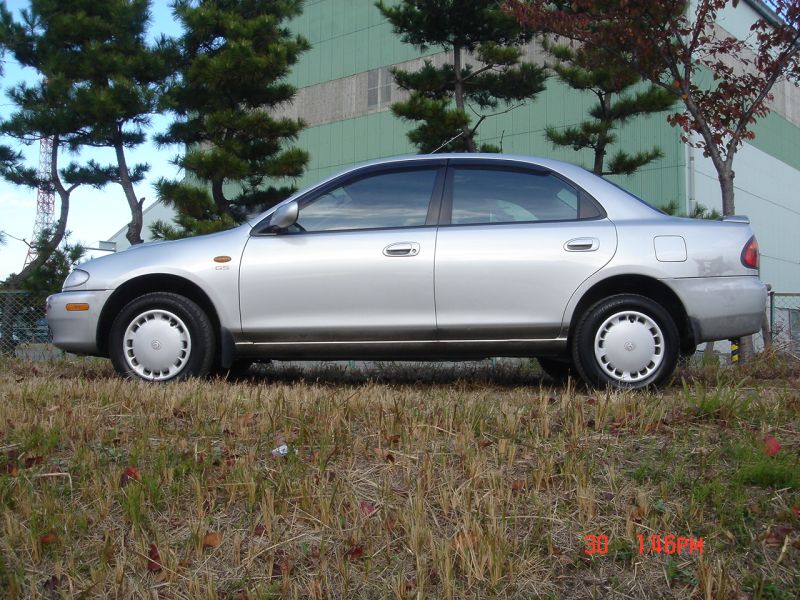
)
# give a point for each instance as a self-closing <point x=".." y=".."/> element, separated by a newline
<point x="441" y="257"/>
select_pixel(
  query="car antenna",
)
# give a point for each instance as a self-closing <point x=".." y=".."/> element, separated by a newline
<point x="448" y="142"/>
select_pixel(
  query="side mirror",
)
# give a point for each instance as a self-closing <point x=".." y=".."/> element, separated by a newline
<point x="284" y="217"/>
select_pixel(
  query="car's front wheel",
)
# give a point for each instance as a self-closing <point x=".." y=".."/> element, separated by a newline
<point x="625" y="341"/>
<point x="160" y="337"/>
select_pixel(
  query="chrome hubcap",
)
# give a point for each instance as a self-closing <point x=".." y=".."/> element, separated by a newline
<point x="157" y="345"/>
<point x="629" y="346"/>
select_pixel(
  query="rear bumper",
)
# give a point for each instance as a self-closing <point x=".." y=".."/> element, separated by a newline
<point x="76" y="331"/>
<point x="722" y="308"/>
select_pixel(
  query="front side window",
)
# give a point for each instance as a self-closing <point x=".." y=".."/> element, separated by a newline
<point x="392" y="199"/>
<point x="483" y="196"/>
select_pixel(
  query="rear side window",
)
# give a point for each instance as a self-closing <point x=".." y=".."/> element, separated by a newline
<point x="484" y="196"/>
<point x="384" y="200"/>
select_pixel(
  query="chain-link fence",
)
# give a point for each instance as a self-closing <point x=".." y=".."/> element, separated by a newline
<point x="23" y="328"/>
<point x="784" y="320"/>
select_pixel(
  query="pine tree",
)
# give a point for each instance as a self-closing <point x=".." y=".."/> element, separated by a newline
<point x="43" y="110"/>
<point x="234" y="58"/>
<point x="9" y="158"/>
<point x="100" y="82"/>
<point x="587" y="69"/>
<point x="486" y="69"/>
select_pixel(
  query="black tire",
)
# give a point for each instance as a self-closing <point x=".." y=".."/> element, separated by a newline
<point x="620" y="325"/>
<point x="162" y="321"/>
<point x="558" y="369"/>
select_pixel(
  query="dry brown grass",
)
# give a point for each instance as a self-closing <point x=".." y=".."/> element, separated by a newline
<point x="414" y="483"/>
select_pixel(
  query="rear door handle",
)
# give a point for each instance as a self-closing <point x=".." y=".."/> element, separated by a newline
<point x="582" y="245"/>
<point x="402" y="249"/>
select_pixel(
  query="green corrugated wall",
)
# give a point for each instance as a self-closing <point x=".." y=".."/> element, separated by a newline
<point x="350" y="36"/>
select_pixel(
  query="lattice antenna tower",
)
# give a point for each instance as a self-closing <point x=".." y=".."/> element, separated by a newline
<point x="45" y="196"/>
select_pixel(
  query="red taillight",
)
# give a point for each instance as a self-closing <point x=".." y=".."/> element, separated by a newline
<point x="750" y="254"/>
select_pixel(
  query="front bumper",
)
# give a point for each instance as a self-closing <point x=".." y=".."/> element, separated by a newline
<point x="76" y="331"/>
<point x="722" y="308"/>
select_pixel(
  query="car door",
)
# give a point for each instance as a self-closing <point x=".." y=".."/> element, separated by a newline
<point x="357" y="266"/>
<point x="515" y="243"/>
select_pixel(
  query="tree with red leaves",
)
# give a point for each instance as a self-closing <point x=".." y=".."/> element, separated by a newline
<point x="681" y="52"/>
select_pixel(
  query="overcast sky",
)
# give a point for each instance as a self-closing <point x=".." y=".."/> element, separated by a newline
<point x="94" y="215"/>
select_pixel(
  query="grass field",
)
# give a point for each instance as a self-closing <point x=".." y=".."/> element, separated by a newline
<point x="398" y="483"/>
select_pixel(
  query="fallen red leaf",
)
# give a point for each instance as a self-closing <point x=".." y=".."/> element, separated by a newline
<point x="518" y="485"/>
<point x="384" y="455"/>
<point x="48" y="538"/>
<point x="777" y="534"/>
<point x="796" y="511"/>
<point x="281" y="567"/>
<point x="128" y="474"/>
<point x="355" y="552"/>
<point x="771" y="446"/>
<point x="260" y="529"/>
<point x="33" y="460"/>
<point x="154" y="559"/>
<point x="367" y="508"/>
<point x="212" y="539"/>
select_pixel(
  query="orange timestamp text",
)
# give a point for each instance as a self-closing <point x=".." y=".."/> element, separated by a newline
<point x="648" y="544"/>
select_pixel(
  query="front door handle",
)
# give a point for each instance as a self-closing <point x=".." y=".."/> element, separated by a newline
<point x="582" y="245"/>
<point x="401" y="249"/>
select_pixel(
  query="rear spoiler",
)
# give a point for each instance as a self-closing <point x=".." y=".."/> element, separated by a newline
<point x="735" y="219"/>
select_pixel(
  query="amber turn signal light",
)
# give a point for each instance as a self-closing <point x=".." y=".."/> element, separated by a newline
<point x="77" y="307"/>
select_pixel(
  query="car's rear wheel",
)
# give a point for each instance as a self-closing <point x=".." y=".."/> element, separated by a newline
<point x="625" y="341"/>
<point x="161" y="337"/>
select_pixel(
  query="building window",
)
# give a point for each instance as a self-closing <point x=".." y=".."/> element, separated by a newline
<point x="379" y="88"/>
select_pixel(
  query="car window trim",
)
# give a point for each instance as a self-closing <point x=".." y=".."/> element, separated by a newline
<point x="446" y="214"/>
<point x="434" y="201"/>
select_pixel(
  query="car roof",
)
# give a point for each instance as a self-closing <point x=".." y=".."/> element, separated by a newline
<point x="556" y="165"/>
